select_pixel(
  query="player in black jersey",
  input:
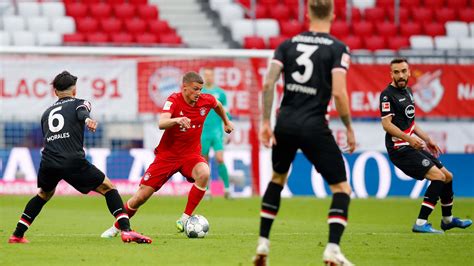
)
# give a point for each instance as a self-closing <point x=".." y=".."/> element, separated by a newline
<point x="314" y="65"/>
<point x="63" y="158"/>
<point x="414" y="156"/>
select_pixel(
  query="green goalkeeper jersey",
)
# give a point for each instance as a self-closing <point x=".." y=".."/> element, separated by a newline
<point x="213" y="124"/>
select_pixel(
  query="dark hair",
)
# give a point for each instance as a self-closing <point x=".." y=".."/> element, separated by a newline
<point x="398" y="60"/>
<point x="321" y="9"/>
<point x="192" y="76"/>
<point x="63" y="81"/>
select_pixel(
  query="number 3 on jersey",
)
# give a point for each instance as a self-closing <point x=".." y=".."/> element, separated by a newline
<point x="304" y="60"/>
<point x="59" y="117"/>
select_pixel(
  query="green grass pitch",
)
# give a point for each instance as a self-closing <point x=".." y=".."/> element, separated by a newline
<point x="67" y="232"/>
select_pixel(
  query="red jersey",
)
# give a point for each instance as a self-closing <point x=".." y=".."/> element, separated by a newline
<point x="179" y="142"/>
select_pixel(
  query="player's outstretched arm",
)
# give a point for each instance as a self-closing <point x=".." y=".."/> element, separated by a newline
<point x="393" y="130"/>
<point x="339" y="91"/>
<point x="271" y="78"/>
<point x="167" y="122"/>
<point x="220" y="111"/>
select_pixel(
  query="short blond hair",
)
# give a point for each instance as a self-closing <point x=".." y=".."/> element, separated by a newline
<point x="320" y="9"/>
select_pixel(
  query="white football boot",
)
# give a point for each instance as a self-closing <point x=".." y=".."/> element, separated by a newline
<point x="111" y="232"/>
<point x="333" y="256"/>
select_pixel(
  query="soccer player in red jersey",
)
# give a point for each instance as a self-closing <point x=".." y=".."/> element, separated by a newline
<point x="180" y="148"/>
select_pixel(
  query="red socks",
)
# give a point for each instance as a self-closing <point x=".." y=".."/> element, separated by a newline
<point x="194" y="197"/>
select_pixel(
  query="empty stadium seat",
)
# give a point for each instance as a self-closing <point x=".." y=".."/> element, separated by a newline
<point x="280" y="12"/>
<point x="445" y="14"/>
<point x="267" y="28"/>
<point x="97" y="37"/>
<point x="355" y="14"/>
<point x="121" y="38"/>
<point x="76" y="10"/>
<point x="87" y="25"/>
<point x="158" y="27"/>
<point x="53" y="9"/>
<point x="240" y="29"/>
<point x="398" y="42"/>
<point x="274" y="42"/>
<point x="362" y="4"/>
<point x="124" y="11"/>
<point x="254" y="42"/>
<point x="354" y="42"/>
<point x="339" y="29"/>
<point x="375" y="14"/>
<point x="146" y="38"/>
<point x="385" y="3"/>
<point x="100" y="10"/>
<point x="138" y="2"/>
<point x="291" y="28"/>
<point x="73" y="38"/>
<point x="29" y="9"/>
<point x="171" y="38"/>
<point x="387" y="29"/>
<point x="37" y="24"/>
<point x="466" y="43"/>
<point x="147" y="12"/>
<point x="49" y="38"/>
<point x="23" y="38"/>
<point x="466" y="14"/>
<point x="63" y="25"/>
<point x="135" y="26"/>
<point x="457" y="29"/>
<point x="216" y="4"/>
<point x="363" y="28"/>
<point x="230" y="12"/>
<point x="111" y="25"/>
<point x="114" y="2"/>
<point x="13" y="23"/>
<point x="5" y="38"/>
<point x="410" y="28"/>
<point x="421" y="42"/>
<point x="403" y="13"/>
<point x="261" y="11"/>
<point x="434" y="3"/>
<point x="434" y="29"/>
<point x="445" y="43"/>
<point x="410" y="3"/>
<point x="375" y="43"/>
<point x="457" y="4"/>
<point x="6" y="9"/>
<point x="422" y="14"/>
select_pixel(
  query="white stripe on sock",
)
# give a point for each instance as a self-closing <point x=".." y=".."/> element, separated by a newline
<point x="267" y="215"/>
<point x="121" y="216"/>
<point x="27" y="225"/>
<point x="337" y="221"/>
<point x="427" y="205"/>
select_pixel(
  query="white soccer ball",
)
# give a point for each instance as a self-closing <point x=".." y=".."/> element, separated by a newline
<point x="196" y="226"/>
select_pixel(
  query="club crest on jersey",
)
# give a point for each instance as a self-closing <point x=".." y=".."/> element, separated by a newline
<point x="410" y="111"/>
<point x="425" y="162"/>
<point x="386" y="107"/>
<point x="428" y="91"/>
<point x="202" y="111"/>
<point x="146" y="176"/>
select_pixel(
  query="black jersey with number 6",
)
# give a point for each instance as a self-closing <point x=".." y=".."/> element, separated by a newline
<point x="308" y="61"/>
<point x="63" y="132"/>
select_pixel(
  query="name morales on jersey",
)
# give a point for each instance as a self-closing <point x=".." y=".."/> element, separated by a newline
<point x="64" y="135"/>
<point x="312" y="39"/>
<point x="300" y="88"/>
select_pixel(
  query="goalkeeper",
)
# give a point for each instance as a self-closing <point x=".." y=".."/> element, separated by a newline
<point x="213" y="131"/>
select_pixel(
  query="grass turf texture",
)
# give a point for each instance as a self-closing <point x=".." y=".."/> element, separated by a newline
<point x="67" y="232"/>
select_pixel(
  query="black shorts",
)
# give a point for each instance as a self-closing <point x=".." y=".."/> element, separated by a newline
<point x="84" y="178"/>
<point x="318" y="146"/>
<point x="414" y="163"/>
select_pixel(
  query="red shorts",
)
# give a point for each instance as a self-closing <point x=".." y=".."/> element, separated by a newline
<point x="161" y="170"/>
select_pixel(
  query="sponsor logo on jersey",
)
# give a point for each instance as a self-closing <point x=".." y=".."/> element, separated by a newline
<point x="402" y="99"/>
<point x="428" y="90"/>
<point x="202" y="111"/>
<point x="162" y="83"/>
<point x="167" y="106"/>
<point x="410" y="111"/>
<point x="425" y="162"/>
<point x="386" y="106"/>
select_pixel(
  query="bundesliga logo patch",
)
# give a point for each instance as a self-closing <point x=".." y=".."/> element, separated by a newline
<point x="386" y="107"/>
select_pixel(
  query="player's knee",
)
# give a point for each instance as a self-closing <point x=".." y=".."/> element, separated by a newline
<point x="46" y="195"/>
<point x="279" y="179"/>
<point x="342" y="187"/>
<point x="105" y="187"/>
<point x="437" y="175"/>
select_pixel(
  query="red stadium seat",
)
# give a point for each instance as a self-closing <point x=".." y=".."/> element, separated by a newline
<point x="254" y="42"/>
<point x="275" y="41"/>
<point x="100" y="10"/>
<point x="280" y="12"/>
<point x="385" y="3"/>
<point x="158" y="27"/>
<point x="135" y="26"/>
<point x="410" y="3"/>
<point x="269" y="3"/>
<point x="111" y="25"/>
<point x="245" y="3"/>
<point x="147" y="12"/>
<point x="115" y="2"/>
<point x="445" y="14"/>
<point x="410" y="28"/>
<point x="146" y="38"/>
<point x="73" y="38"/>
<point x="340" y="4"/>
<point x="467" y="15"/>
<point x="171" y="38"/>
<point x="292" y="2"/>
<point x="87" y="25"/>
<point x="124" y="11"/>
<point x="97" y="37"/>
<point x="121" y="38"/>
<point x="354" y="42"/>
<point x="76" y="10"/>
<point x="138" y="2"/>
<point x="375" y="14"/>
<point x="404" y="14"/>
<point x="363" y="28"/>
<point x="398" y="42"/>
<point x="434" y="3"/>
<point x="434" y="29"/>
<point x="261" y="11"/>
<point x="340" y="29"/>
<point x="422" y="14"/>
<point x="387" y="29"/>
<point x="375" y="43"/>
<point x="458" y="4"/>
<point x="356" y="14"/>
<point x="290" y="28"/>
<point x="88" y="2"/>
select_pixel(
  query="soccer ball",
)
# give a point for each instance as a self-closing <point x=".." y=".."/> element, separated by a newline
<point x="196" y="226"/>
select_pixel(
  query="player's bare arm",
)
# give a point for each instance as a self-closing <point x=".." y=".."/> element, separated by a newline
<point x="220" y="111"/>
<point x="430" y="144"/>
<point x="393" y="130"/>
<point x="91" y="124"/>
<point x="266" y="133"/>
<point x="167" y="122"/>
<point x="339" y="91"/>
